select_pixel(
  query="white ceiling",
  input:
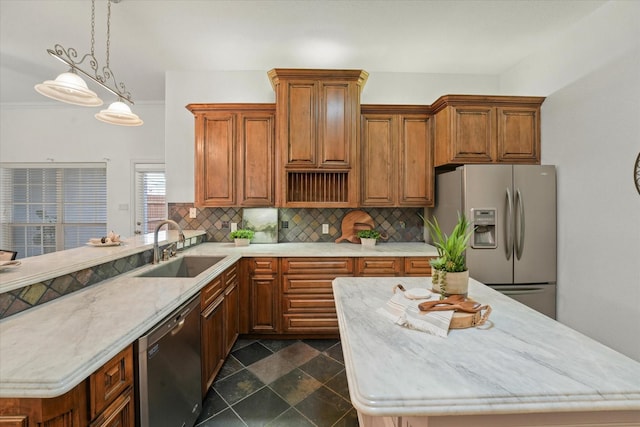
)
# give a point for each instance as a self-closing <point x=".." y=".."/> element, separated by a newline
<point x="149" y="37"/>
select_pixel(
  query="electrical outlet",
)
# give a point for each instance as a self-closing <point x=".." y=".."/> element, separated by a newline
<point x="192" y="212"/>
<point x="234" y="226"/>
<point x="325" y="228"/>
<point x="285" y="224"/>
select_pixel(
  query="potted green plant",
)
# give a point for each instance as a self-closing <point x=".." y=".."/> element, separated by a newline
<point x="368" y="238"/>
<point x="449" y="270"/>
<point x="242" y="237"/>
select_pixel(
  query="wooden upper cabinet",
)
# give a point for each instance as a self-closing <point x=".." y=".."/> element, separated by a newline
<point x="397" y="156"/>
<point x="318" y="113"/>
<point x="338" y="123"/>
<point x="256" y="159"/>
<point x="378" y="160"/>
<point x="300" y="124"/>
<point x="487" y="129"/>
<point x="518" y="134"/>
<point x="234" y="154"/>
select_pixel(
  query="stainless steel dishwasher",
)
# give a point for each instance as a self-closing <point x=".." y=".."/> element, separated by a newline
<point x="169" y="373"/>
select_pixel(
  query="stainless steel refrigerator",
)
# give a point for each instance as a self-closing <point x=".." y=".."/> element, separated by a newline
<point x="513" y="211"/>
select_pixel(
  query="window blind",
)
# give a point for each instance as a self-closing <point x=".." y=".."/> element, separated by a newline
<point x="50" y="207"/>
<point x="150" y="196"/>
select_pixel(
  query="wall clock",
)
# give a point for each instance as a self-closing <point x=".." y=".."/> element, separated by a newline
<point x="636" y="173"/>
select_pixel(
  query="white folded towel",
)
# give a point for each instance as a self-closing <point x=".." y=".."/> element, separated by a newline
<point x="405" y="312"/>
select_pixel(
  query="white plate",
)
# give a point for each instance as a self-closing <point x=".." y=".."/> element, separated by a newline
<point x="5" y="265"/>
<point x="98" y="245"/>
<point x="417" y="293"/>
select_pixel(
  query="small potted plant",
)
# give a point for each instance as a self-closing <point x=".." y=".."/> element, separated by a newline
<point x="450" y="274"/>
<point x="368" y="238"/>
<point x="242" y="237"/>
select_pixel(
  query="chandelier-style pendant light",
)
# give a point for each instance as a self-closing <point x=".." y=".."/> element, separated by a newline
<point x="69" y="87"/>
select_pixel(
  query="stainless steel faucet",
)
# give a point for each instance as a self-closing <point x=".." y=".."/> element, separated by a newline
<point x="156" y="249"/>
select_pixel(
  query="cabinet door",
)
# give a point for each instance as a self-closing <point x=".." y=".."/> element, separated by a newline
<point x="255" y="159"/>
<point x="378" y="160"/>
<point x="231" y="309"/>
<point x="215" y="159"/>
<point x="336" y="124"/>
<point x="302" y="100"/>
<point x="121" y="413"/>
<point x="473" y="134"/>
<point x="264" y="308"/>
<point x="212" y="334"/>
<point x="416" y="161"/>
<point x="518" y="134"/>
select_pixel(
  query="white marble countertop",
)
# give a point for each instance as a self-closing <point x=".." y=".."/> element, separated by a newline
<point x="526" y="362"/>
<point x="48" y="350"/>
<point x="48" y="266"/>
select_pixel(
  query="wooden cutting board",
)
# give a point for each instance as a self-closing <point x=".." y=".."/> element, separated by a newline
<point x="353" y="222"/>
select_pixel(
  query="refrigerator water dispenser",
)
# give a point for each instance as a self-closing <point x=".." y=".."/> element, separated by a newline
<point x="484" y="232"/>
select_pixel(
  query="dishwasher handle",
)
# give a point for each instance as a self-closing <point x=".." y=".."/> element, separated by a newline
<point x="178" y="327"/>
<point x="172" y="324"/>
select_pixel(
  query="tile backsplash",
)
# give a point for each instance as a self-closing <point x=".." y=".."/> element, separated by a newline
<point x="303" y="225"/>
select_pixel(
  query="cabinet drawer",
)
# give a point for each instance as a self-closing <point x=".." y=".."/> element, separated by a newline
<point x="306" y="284"/>
<point x="379" y="266"/>
<point x="417" y="266"/>
<point x="308" y="304"/>
<point x="111" y="380"/>
<point x="317" y="265"/>
<point x="210" y="292"/>
<point x="263" y="265"/>
<point x="231" y="275"/>
<point x="313" y="323"/>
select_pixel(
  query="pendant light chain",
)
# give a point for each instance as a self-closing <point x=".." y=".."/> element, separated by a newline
<point x="108" y="29"/>
<point x="93" y="27"/>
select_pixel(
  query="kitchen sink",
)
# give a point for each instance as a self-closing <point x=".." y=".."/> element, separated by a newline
<point x="186" y="266"/>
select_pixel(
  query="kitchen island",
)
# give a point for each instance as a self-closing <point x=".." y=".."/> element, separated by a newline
<point x="521" y="369"/>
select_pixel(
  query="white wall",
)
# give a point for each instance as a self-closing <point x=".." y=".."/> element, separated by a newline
<point x="183" y="88"/>
<point x="598" y="39"/>
<point x="35" y="133"/>
<point x="591" y="131"/>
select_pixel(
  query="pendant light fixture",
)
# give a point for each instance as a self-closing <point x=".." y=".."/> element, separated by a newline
<point x="69" y="87"/>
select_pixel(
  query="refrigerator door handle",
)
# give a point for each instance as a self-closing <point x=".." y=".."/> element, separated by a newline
<point x="524" y="291"/>
<point x="509" y="226"/>
<point x="520" y="223"/>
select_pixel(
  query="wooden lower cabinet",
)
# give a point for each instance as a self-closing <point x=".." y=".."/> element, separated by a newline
<point x="212" y="341"/>
<point x="294" y="295"/>
<point x="264" y="295"/>
<point x="308" y="306"/>
<point x="231" y="308"/>
<point x="121" y="413"/>
<point x="380" y="266"/>
<point x="104" y="399"/>
<point x="219" y="323"/>
<point x="417" y="266"/>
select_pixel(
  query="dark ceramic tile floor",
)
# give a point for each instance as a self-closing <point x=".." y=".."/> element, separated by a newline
<point x="280" y="383"/>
